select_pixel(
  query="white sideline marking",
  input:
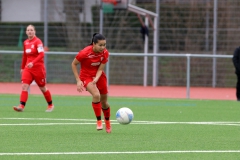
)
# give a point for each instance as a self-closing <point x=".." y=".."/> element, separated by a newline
<point x="45" y="124"/>
<point x="50" y="119"/>
<point x="49" y="124"/>
<point x="86" y="122"/>
<point x="136" y="152"/>
<point x="60" y="119"/>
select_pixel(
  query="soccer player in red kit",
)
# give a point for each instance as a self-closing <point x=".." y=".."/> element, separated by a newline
<point x="92" y="60"/>
<point x="32" y="69"/>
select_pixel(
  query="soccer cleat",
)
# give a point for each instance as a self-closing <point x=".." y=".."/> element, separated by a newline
<point x="19" y="108"/>
<point x="108" y="126"/>
<point x="50" y="108"/>
<point x="99" y="125"/>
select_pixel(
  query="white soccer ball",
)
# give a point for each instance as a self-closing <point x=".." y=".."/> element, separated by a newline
<point x="124" y="115"/>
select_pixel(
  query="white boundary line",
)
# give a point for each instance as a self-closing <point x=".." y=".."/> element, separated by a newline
<point x="51" y="124"/>
<point x="50" y="119"/>
<point x="86" y="122"/>
<point x="136" y="152"/>
<point x="46" y="124"/>
<point x="62" y="119"/>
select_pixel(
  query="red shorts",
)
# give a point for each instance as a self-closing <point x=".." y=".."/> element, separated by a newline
<point x="101" y="83"/>
<point x="28" y="75"/>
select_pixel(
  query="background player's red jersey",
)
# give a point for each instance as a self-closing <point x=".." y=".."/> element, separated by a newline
<point x="31" y="50"/>
<point x="90" y="61"/>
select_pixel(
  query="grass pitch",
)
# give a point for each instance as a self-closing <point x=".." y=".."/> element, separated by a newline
<point x="161" y="129"/>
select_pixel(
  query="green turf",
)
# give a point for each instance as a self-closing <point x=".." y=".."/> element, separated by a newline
<point x="161" y="129"/>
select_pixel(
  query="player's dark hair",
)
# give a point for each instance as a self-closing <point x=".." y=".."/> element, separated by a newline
<point x="96" y="37"/>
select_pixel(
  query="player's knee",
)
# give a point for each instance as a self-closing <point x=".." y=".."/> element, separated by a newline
<point x="25" y="87"/>
<point x="96" y="96"/>
<point x="43" y="89"/>
<point x="105" y="105"/>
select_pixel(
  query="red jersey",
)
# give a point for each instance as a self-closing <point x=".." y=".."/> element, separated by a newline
<point x="90" y="61"/>
<point x="33" y="52"/>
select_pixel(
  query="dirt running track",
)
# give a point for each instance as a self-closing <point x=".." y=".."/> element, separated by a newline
<point x="131" y="91"/>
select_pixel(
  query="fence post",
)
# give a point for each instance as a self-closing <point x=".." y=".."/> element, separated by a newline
<point x="188" y="75"/>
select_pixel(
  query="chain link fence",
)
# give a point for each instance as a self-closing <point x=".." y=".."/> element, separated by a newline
<point x="128" y="70"/>
<point x="185" y="26"/>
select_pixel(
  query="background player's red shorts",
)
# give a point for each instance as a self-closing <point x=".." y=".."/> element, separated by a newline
<point x="28" y="75"/>
<point x="101" y="83"/>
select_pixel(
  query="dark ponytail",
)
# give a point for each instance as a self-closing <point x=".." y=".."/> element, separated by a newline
<point x="96" y="37"/>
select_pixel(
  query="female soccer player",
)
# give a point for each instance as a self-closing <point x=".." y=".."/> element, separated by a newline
<point x="92" y="60"/>
<point x="32" y="68"/>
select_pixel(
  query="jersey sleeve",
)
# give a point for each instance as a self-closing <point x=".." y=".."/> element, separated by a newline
<point x="106" y="55"/>
<point x="39" y="45"/>
<point x="80" y="55"/>
<point x="40" y="51"/>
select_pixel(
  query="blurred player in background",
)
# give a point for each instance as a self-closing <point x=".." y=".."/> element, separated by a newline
<point x="236" y="63"/>
<point x="92" y="60"/>
<point x="32" y="69"/>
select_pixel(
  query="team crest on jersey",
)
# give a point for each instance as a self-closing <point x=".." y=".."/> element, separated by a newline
<point x="28" y="51"/>
<point x="32" y="46"/>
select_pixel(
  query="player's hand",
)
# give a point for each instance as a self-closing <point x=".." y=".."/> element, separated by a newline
<point x="21" y="71"/>
<point x="94" y="81"/>
<point x="30" y="65"/>
<point x="80" y="86"/>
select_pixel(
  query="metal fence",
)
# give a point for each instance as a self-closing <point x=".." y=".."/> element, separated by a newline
<point x="130" y="69"/>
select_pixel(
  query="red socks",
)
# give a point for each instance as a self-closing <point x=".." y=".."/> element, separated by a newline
<point x="97" y="108"/>
<point x="23" y="97"/>
<point x="48" y="96"/>
<point x="106" y="113"/>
